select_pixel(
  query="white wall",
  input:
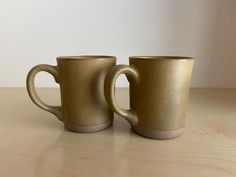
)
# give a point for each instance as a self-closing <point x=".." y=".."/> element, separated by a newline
<point x="34" y="32"/>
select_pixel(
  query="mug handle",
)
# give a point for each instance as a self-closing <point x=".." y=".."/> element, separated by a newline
<point x="132" y="75"/>
<point x="56" y="110"/>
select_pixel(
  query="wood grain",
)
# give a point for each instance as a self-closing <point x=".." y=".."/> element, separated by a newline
<point x="33" y="143"/>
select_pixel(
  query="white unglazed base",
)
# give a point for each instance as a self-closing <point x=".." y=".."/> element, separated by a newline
<point x="88" y="129"/>
<point x="160" y="135"/>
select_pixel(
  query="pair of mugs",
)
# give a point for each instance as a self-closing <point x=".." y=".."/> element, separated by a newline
<point x="159" y="90"/>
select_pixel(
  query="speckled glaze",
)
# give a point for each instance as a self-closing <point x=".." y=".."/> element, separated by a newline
<point x="81" y="79"/>
<point x="159" y="90"/>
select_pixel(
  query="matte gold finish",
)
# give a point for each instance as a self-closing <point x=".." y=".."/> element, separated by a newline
<point x="81" y="79"/>
<point x="159" y="89"/>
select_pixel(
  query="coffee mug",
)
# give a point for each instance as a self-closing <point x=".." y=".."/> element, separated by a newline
<point x="81" y="78"/>
<point x="159" y="90"/>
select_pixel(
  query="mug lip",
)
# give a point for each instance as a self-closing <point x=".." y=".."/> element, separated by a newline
<point x="165" y="57"/>
<point x="84" y="57"/>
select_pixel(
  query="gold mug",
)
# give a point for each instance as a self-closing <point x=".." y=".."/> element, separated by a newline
<point x="159" y="90"/>
<point x="81" y="78"/>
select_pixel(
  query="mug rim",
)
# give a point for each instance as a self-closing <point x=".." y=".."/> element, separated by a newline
<point x="84" y="57"/>
<point x="170" y="57"/>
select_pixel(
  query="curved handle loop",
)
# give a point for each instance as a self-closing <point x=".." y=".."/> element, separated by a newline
<point x="132" y="76"/>
<point x="56" y="110"/>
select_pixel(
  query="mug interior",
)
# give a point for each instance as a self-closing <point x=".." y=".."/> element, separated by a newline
<point x="85" y="57"/>
<point x="161" y="57"/>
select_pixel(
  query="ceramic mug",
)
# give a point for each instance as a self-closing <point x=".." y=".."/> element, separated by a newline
<point x="159" y="90"/>
<point x="81" y="79"/>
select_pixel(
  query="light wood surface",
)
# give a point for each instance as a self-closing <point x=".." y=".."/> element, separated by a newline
<point x="33" y="143"/>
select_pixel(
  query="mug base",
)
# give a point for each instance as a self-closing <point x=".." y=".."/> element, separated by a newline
<point x="159" y="135"/>
<point x="88" y="128"/>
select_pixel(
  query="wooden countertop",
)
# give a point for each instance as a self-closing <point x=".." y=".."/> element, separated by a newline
<point x="33" y="143"/>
